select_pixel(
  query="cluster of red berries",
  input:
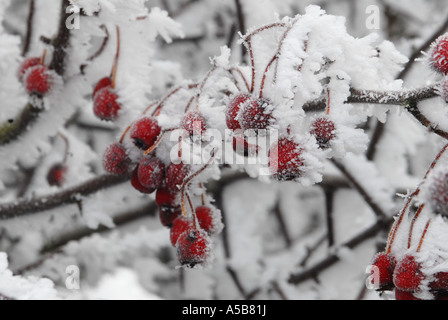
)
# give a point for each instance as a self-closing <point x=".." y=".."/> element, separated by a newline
<point x="37" y="78"/>
<point x="190" y="234"/>
<point x="246" y="112"/>
<point x="407" y="277"/>
<point x="438" y="60"/>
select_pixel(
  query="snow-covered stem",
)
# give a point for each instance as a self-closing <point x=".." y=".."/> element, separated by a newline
<point x="62" y="198"/>
<point x="332" y="259"/>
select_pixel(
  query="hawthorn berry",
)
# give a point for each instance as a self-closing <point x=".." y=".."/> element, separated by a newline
<point x="438" y="56"/>
<point x="56" y="175"/>
<point x="180" y="225"/>
<point x="116" y="160"/>
<point x="194" y="123"/>
<point x="38" y="80"/>
<point x="233" y="110"/>
<point x="135" y="182"/>
<point x="440" y="281"/>
<point x="206" y="219"/>
<point x="193" y="247"/>
<point x="144" y="132"/>
<point x="438" y="192"/>
<point x="165" y="197"/>
<point x="105" y="104"/>
<point x="285" y="160"/>
<point x="405" y="295"/>
<point x="175" y="176"/>
<point x="151" y="172"/>
<point x="168" y="214"/>
<point x="323" y="129"/>
<point x="103" y="83"/>
<point x="256" y="114"/>
<point x="27" y="64"/>
<point x="408" y="274"/>
<point x="385" y="266"/>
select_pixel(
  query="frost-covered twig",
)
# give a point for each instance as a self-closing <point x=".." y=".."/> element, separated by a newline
<point x="332" y="259"/>
<point x="29" y="28"/>
<point x="65" y="197"/>
<point x="379" y="212"/>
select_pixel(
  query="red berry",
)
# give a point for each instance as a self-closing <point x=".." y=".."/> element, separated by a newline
<point x="206" y="219"/>
<point x="175" y="176"/>
<point x="116" y="159"/>
<point x="385" y="264"/>
<point x="38" y="80"/>
<point x="193" y="247"/>
<point x="56" y="175"/>
<point x="180" y="225"/>
<point x="233" y="110"/>
<point x="151" y="172"/>
<point x="168" y="214"/>
<point x="194" y="123"/>
<point x="105" y="105"/>
<point x="285" y="160"/>
<point x="440" y="281"/>
<point x="439" y="54"/>
<point x="323" y="129"/>
<point x="438" y="192"/>
<point x="103" y="83"/>
<point x="144" y="132"/>
<point x="27" y="64"/>
<point x="137" y="185"/>
<point x="256" y="114"/>
<point x="404" y="295"/>
<point x="165" y="197"/>
<point x="408" y="274"/>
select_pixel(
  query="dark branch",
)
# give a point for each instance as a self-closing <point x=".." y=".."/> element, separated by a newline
<point x="29" y="28"/>
<point x="65" y="197"/>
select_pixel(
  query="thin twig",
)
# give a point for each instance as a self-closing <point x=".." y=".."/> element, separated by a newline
<point x="29" y="28"/>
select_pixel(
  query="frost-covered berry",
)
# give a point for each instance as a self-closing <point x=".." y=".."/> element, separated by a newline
<point x="103" y="83"/>
<point x="105" y="104"/>
<point x="207" y="219"/>
<point x="408" y="274"/>
<point x="180" y="225"/>
<point x="233" y="110"/>
<point x="438" y="56"/>
<point x="38" y="80"/>
<point x="193" y="247"/>
<point x="165" y="197"/>
<point x="405" y="295"/>
<point x="194" y="123"/>
<point x="437" y="186"/>
<point x="285" y="160"/>
<point x="56" y="175"/>
<point x="144" y="132"/>
<point x="440" y="281"/>
<point x="323" y="129"/>
<point x="116" y="160"/>
<point x="151" y="172"/>
<point x="384" y="264"/>
<point x="168" y="214"/>
<point x="135" y="182"/>
<point x="26" y="65"/>
<point x="256" y="114"/>
<point x="175" y="176"/>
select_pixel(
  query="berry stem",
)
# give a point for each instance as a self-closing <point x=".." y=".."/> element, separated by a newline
<point x="117" y="56"/>
<point x="240" y="73"/>
<point x="328" y="101"/>
<point x="169" y="95"/>
<point x="159" y="139"/>
<point x="424" y="235"/>
<point x="414" y="220"/>
<point x="67" y="147"/>
<point x="44" y="55"/>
